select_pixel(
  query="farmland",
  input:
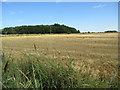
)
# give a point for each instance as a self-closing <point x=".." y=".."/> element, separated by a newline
<point x="92" y="57"/>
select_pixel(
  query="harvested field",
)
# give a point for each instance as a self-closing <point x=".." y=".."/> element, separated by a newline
<point x="93" y="55"/>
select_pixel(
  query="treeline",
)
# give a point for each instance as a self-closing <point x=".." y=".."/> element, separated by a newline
<point x="111" y="31"/>
<point x="40" y="29"/>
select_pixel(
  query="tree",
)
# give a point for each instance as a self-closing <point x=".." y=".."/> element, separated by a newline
<point x="110" y="31"/>
<point x="78" y="31"/>
<point x="40" y="29"/>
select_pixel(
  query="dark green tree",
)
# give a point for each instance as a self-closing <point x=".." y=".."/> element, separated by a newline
<point x="40" y="29"/>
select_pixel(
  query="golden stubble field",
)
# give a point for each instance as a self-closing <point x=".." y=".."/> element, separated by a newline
<point x="95" y="55"/>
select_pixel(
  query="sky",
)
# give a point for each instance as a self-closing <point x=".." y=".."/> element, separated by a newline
<point x="60" y="0"/>
<point x="84" y="16"/>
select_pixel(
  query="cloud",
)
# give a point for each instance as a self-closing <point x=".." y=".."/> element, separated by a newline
<point x="99" y="6"/>
<point x="20" y="20"/>
<point x="5" y="0"/>
<point x="0" y="22"/>
<point x="12" y="12"/>
<point x="21" y="12"/>
<point x="58" y="1"/>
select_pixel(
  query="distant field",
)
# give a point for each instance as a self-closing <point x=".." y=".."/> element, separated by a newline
<point x="78" y="46"/>
<point x="94" y="55"/>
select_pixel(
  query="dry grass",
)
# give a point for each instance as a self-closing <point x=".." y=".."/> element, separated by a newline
<point x="95" y="55"/>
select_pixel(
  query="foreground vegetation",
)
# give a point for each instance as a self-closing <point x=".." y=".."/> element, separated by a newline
<point x="34" y="71"/>
<point x="60" y="61"/>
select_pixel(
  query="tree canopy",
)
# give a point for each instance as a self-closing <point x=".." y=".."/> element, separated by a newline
<point x="40" y="29"/>
<point x="110" y="31"/>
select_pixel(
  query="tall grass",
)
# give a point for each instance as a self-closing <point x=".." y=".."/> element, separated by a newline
<point x="41" y="72"/>
<point x="37" y="73"/>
